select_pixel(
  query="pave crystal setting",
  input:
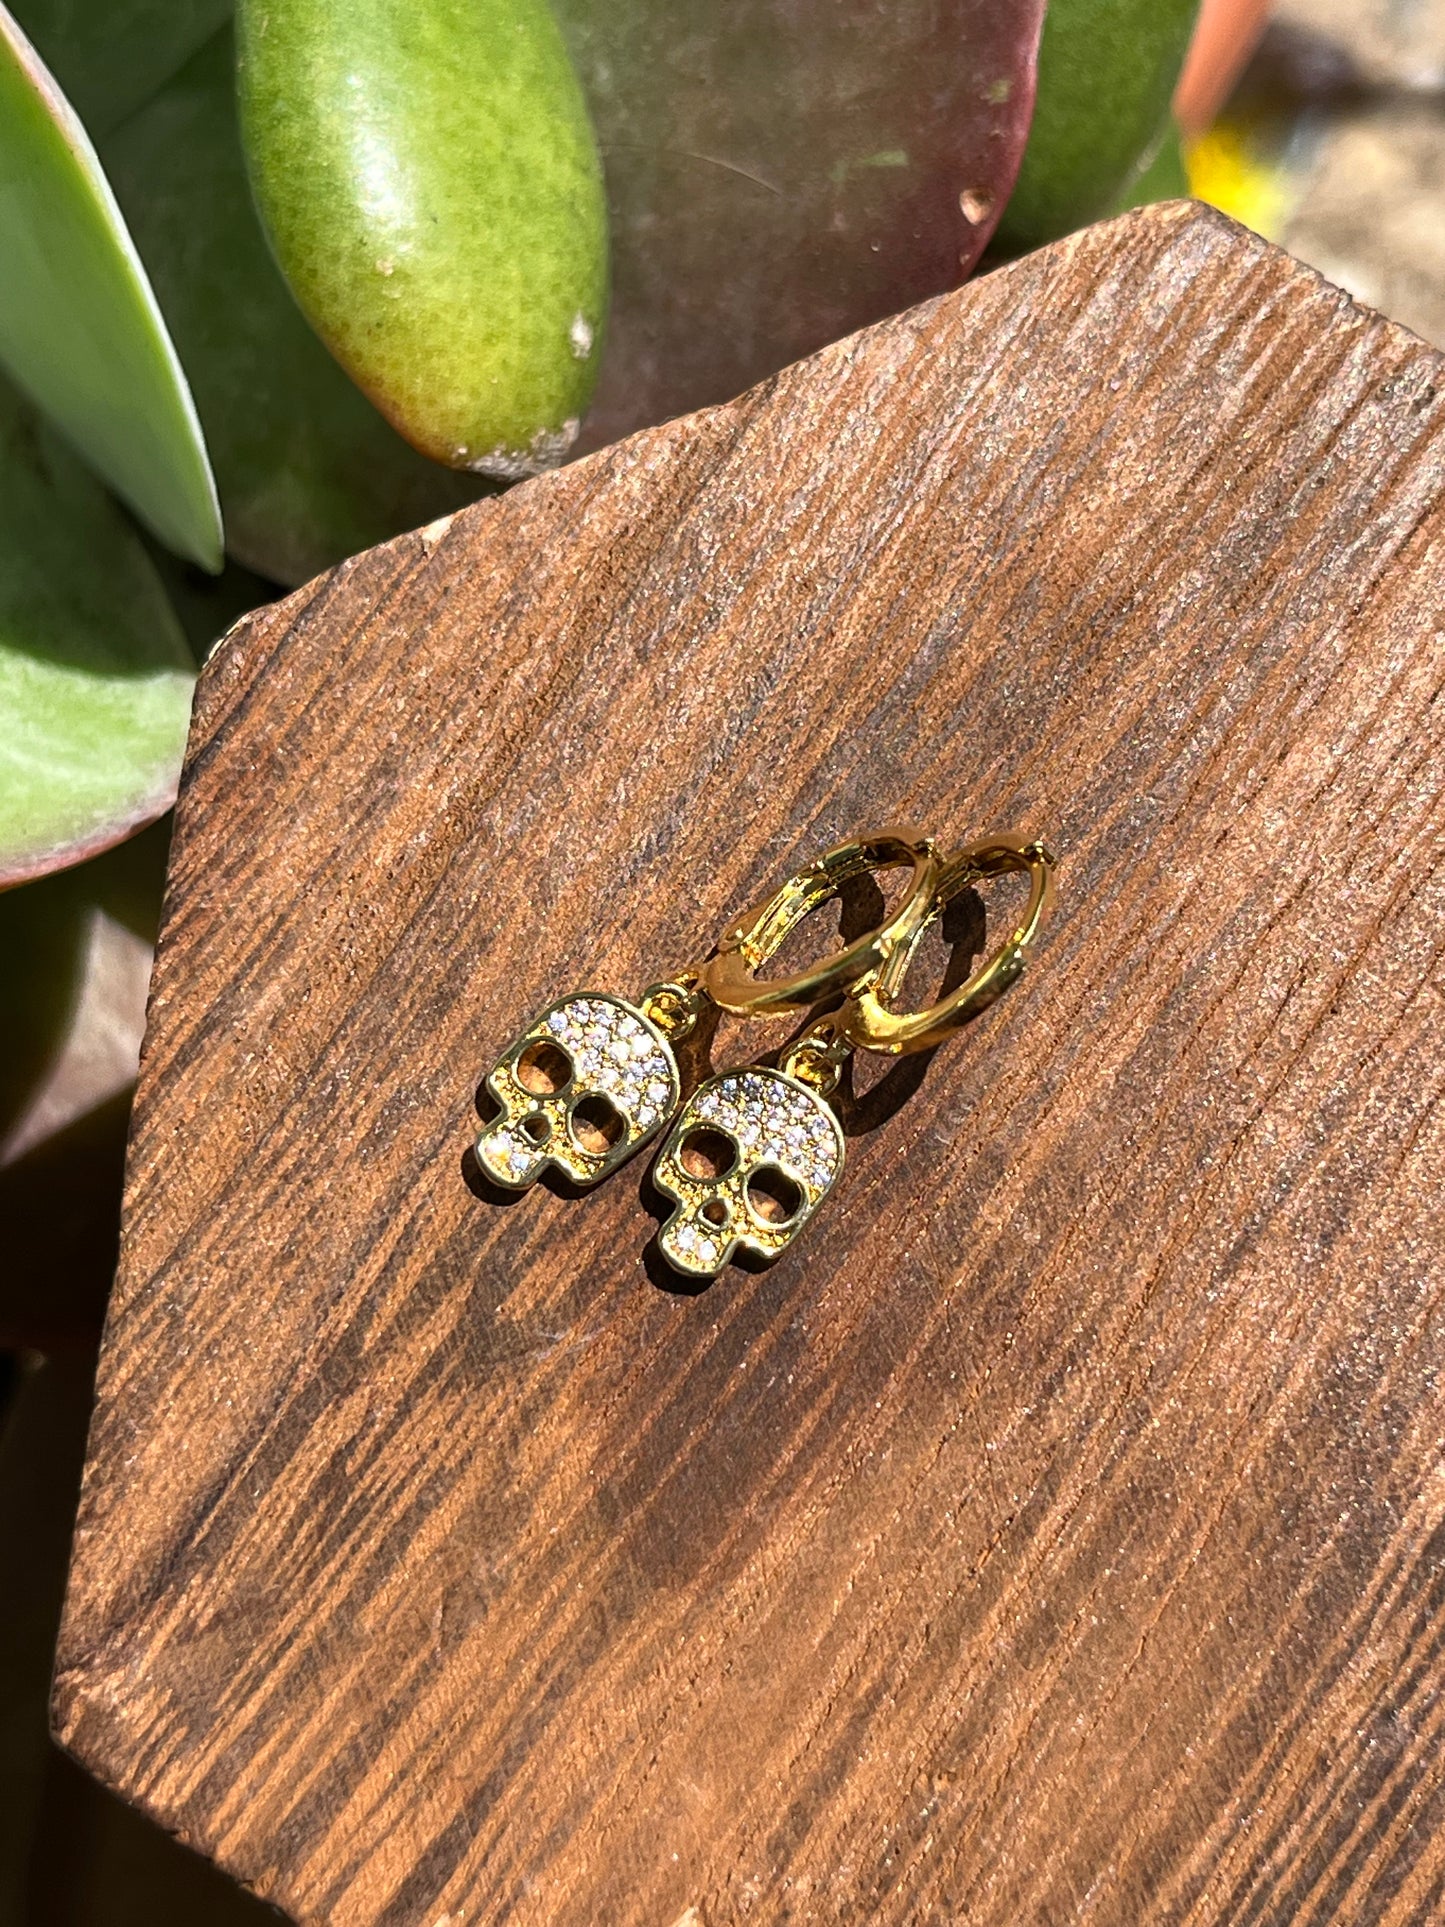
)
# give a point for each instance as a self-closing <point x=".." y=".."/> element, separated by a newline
<point x="612" y="1052"/>
<point x="774" y="1124"/>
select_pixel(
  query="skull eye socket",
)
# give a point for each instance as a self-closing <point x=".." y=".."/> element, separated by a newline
<point x="544" y="1068"/>
<point x="707" y="1154"/>
<point x="596" y="1125"/>
<point x="773" y="1197"/>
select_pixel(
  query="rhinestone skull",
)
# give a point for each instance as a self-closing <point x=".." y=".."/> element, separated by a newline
<point x="773" y="1126"/>
<point x="585" y="1085"/>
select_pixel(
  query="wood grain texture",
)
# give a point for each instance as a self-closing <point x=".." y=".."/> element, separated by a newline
<point x="1058" y="1532"/>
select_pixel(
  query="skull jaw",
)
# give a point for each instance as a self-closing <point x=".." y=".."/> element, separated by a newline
<point x="699" y="1249"/>
<point x="508" y="1158"/>
<point x="513" y="1161"/>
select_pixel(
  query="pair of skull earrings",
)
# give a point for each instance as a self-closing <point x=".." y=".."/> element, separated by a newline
<point x="753" y="1152"/>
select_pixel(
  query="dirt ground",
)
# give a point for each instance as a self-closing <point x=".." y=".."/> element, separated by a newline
<point x="1371" y="208"/>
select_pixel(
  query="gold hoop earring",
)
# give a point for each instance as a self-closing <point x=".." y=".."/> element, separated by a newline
<point x="755" y="1151"/>
<point x="868" y="1019"/>
<point x="727" y="977"/>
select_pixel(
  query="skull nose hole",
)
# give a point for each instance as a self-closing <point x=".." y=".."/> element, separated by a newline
<point x="596" y="1125"/>
<point x="537" y="1127"/>
<point x="707" y="1155"/>
<point x="715" y="1211"/>
<point x="544" y="1068"/>
<point x="773" y="1197"/>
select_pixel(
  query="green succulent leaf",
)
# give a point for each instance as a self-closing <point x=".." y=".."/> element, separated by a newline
<point x="95" y="674"/>
<point x="309" y="472"/>
<point x="431" y="185"/>
<point x="1160" y="176"/>
<point x="110" y="56"/>
<point x="1107" y="69"/>
<point x="80" y="330"/>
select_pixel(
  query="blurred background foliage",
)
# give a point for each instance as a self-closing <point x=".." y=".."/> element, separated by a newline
<point x="193" y="420"/>
<point x="1333" y="144"/>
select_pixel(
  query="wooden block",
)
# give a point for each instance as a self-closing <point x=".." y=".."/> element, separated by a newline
<point x="1057" y="1533"/>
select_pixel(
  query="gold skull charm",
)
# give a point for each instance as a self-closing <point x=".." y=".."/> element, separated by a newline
<point x="748" y="1162"/>
<point x="588" y="1082"/>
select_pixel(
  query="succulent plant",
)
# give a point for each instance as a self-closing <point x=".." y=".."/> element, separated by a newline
<point x="449" y="188"/>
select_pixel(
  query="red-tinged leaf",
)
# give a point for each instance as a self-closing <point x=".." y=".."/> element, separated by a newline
<point x="781" y="172"/>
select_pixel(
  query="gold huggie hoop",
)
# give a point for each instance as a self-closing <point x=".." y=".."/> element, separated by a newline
<point x="867" y="1021"/>
<point x="727" y="977"/>
<point x="766" y="1145"/>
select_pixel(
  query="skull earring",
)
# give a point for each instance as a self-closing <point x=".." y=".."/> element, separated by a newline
<point x="755" y="1151"/>
<point x="593" y="1077"/>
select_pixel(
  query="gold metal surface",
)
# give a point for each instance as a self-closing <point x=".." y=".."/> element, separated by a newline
<point x="602" y="1039"/>
<point x="605" y="1052"/>
<point x="592" y="1050"/>
<point x="775" y="1128"/>
<point x="818" y="1056"/>
<point x="674" y="1006"/>
<point x="728" y="977"/>
<point x="868" y="1019"/>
